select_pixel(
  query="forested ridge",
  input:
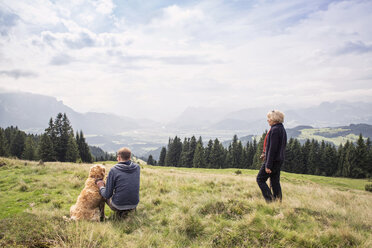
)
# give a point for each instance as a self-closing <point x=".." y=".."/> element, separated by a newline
<point x="313" y="157"/>
<point x="57" y="143"/>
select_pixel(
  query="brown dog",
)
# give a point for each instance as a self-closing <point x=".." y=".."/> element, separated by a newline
<point x="90" y="204"/>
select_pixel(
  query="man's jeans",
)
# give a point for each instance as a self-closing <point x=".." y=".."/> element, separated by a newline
<point x="118" y="213"/>
<point x="274" y="176"/>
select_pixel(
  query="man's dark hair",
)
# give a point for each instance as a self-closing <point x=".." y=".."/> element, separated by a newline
<point x="124" y="153"/>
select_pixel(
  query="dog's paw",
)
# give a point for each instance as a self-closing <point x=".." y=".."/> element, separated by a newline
<point x="67" y="219"/>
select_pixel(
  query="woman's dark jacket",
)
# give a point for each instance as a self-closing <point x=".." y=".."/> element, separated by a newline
<point x="275" y="146"/>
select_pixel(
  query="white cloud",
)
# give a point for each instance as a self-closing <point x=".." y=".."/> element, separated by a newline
<point x="104" y="6"/>
<point x="209" y="53"/>
<point x="176" y="17"/>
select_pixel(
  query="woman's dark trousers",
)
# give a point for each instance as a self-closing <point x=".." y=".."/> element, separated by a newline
<point x="275" y="183"/>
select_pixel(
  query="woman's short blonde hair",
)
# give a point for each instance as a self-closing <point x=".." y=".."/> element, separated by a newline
<point x="276" y="116"/>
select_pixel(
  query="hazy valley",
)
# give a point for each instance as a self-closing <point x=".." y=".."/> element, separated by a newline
<point x="31" y="113"/>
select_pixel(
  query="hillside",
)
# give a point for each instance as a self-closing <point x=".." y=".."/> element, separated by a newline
<point x="184" y="208"/>
<point x="335" y="135"/>
<point x="31" y="113"/>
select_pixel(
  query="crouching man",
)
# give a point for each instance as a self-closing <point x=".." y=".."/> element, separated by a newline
<point x="122" y="185"/>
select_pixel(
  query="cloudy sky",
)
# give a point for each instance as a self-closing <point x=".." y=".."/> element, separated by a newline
<point x="155" y="58"/>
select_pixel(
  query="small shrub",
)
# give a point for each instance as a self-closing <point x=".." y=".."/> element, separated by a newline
<point x="45" y="200"/>
<point x="238" y="172"/>
<point x="156" y="201"/>
<point x="2" y="163"/>
<point x="23" y="186"/>
<point x="227" y="239"/>
<point x="230" y="209"/>
<point x="192" y="227"/>
<point x="57" y="204"/>
<point x="164" y="190"/>
<point x="213" y="208"/>
<point x="164" y="222"/>
<point x="211" y="184"/>
<point x="368" y="187"/>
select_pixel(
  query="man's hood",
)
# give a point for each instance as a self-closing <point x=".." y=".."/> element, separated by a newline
<point x="128" y="168"/>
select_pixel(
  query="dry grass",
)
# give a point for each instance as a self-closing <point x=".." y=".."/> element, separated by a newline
<point x="181" y="208"/>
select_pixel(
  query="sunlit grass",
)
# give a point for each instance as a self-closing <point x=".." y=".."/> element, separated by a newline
<point x="182" y="207"/>
<point x="315" y="134"/>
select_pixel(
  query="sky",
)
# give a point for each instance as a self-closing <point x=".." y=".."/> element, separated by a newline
<point x="153" y="59"/>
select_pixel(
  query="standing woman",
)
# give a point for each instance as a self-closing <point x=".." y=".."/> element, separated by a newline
<point x="273" y="156"/>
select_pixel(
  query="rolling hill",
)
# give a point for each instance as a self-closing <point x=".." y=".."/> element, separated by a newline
<point x="181" y="207"/>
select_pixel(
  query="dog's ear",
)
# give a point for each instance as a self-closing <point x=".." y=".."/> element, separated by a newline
<point x="97" y="171"/>
<point x="94" y="171"/>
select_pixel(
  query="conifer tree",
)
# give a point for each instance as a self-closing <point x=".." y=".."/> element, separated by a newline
<point x="17" y="145"/>
<point x="305" y="150"/>
<point x="45" y="150"/>
<point x="207" y="154"/>
<point x="297" y="165"/>
<point x="287" y="165"/>
<point x="4" y="148"/>
<point x="185" y="153"/>
<point x="217" y="155"/>
<point x="369" y="158"/>
<point x="313" y="157"/>
<point x="321" y="168"/>
<point x="72" y="151"/>
<point x="198" y="161"/>
<point x="192" y="149"/>
<point x="349" y="160"/>
<point x="329" y="160"/>
<point x="59" y="146"/>
<point x="257" y="162"/>
<point x="52" y="133"/>
<point x="228" y="159"/>
<point x="249" y="154"/>
<point x="244" y="158"/>
<point x="29" y="152"/>
<point x="360" y="168"/>
<point x="84" y="151"/>
<point x="236" y="153"/>
<point x="174" y="152"/>
<point x="340" y="160"/>
<point x="163" y="154"/>
<point x="150" y="160"/>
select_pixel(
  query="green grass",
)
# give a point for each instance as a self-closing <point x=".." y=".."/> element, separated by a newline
<point x="183" y="207"/>
<point x="339" y="182"/>
<point x="316" y="134"/>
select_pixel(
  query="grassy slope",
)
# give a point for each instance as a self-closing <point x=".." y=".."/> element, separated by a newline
<point x="315" y="134"/>
<point x="184" y="208"/>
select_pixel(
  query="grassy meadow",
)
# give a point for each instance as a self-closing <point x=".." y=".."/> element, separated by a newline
<point x="316" y="133"/>
<point x="182" y="207"/>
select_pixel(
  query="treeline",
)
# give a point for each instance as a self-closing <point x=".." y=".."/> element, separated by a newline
<point x="101" y="155"/>
<point x="58" y="143"/>
<point x="313" y="157"/>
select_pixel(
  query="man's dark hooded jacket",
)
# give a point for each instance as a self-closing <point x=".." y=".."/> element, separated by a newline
<point x="123" y="182"/>
<point x="275" y="146"/>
